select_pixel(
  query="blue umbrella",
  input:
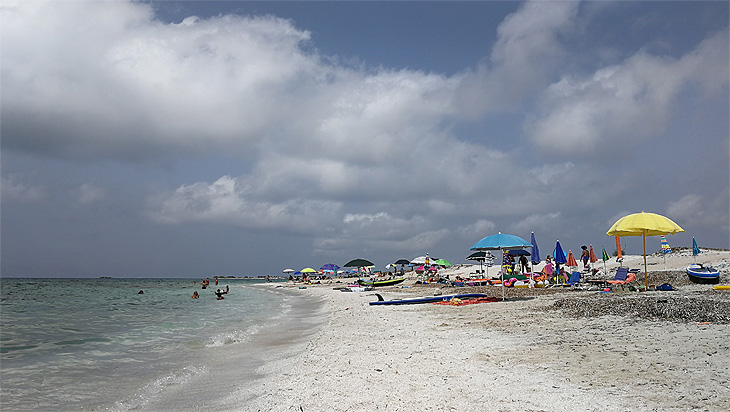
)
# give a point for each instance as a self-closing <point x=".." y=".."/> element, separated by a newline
<point x="560" y="256"/>
<point x="535" y="252"/>
<point x="695" y="249"/>
<point x="501" y="242"/>
<point x="330" y="266"/>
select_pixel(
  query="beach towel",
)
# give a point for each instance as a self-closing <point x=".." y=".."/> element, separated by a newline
<point x="462" y="302"/>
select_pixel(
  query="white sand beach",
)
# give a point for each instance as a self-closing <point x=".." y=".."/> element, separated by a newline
<point x="529" y="353"/>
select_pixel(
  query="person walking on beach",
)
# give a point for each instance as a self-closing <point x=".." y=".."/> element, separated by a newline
<point x="523" y="263"/>
<point x="585" y="256"/>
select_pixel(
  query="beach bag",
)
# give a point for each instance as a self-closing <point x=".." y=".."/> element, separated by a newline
<point x="665" y="286"/>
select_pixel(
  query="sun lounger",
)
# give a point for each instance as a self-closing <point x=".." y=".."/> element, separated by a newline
<point x="624" y="277"/>
<point x="573" y="281"/>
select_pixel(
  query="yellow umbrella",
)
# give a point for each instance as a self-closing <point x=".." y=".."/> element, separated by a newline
<point x="644" y="224"/>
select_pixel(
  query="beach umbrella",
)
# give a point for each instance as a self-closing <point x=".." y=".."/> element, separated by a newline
<point x="695" y="250"/>
<point x="402" y="262"/>
<point x="519" y="252"/>
<point x="478" y="256"/>
<point x="442" y="262"/>
<point x="665" y="249"/>
<point x="483" y="257"/>
<point x="501" y="242"/>
<point x="604" y="257"/>
<point x="419" y="260"/>
<point x="559" y="257"/>
<point x="644" y="224"/>
<point x="665" y="245"/>
<point x="306" y="271"/>
<point x="592" y="256"/>
<point x="358" y="263"/>
<point x="330" y="266"/>
<point x="558" y="254"/>
<point x="534" y="251"/>
<point x="289" y="270"/>
<point x="619" y="254"/>
<point x="570" y="261"/>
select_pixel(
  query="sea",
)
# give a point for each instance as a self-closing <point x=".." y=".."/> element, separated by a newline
<point x="113" y="344"/>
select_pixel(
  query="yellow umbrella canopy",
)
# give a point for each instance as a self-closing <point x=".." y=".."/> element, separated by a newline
<point x="644" y="224"/>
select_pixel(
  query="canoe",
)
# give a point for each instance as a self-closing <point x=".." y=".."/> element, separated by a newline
<point x="702" y="274"/>
<point x="427" y="299"/>
<point x="381" y="282"/>
<point x="721" y="287"/>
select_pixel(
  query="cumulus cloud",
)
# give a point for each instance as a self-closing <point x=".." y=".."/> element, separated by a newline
<point x="526" y="54"/>
<point x="88" y="193"/>
<point x="225" y="201"/>
<point x="110" y="79"/>
<point x="353" y="157"/>
<point x="702" y="210"/>
<point x="537" y="222"/>
<point x="15" y="190"/>
<point x="619" y="104"/>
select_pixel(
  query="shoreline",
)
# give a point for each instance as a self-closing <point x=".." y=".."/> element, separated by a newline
<point x="530" y="353"/>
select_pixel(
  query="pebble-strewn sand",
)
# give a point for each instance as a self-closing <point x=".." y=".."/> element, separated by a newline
<point x="541" y="350"/>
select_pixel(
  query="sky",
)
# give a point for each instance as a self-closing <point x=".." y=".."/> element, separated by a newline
<point x="193" y="139"/>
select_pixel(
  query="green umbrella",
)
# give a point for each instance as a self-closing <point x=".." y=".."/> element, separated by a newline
<point x="441" y="262"/>
<point x="358" y="263"/>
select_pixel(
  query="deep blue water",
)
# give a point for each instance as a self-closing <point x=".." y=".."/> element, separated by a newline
<point x="97" y="344"/>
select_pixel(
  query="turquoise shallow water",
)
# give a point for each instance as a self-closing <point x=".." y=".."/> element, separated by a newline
<point x="97" y="344"/>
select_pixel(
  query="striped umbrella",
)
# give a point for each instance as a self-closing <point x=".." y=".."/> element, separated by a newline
<point x="665" y="249"/>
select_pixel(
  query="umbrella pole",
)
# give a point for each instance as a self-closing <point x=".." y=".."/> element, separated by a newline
<point x="501" y="271"/>
<point x="646" y="274"/>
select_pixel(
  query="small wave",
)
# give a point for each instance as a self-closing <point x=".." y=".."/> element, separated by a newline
<point x="6" y="349"/>
<point x="237" y="336"/>
<point x="146" y="394"/>
<point x="81" y="341"/>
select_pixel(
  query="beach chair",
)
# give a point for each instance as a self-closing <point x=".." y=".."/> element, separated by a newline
<point x="624" y="277"/>
<point x="572" y="281"/>
<point x="574" y="278"/>
<point x="620" y="276"/>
